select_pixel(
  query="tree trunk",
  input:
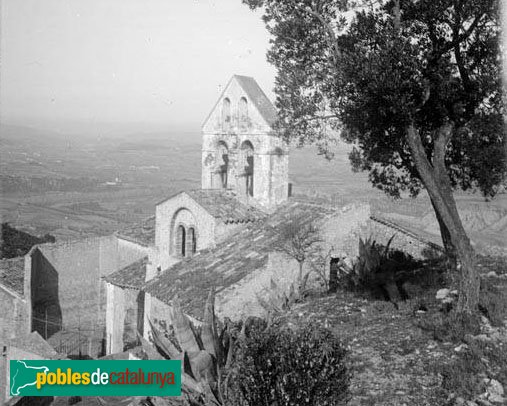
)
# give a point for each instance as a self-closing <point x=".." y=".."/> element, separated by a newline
<point x="436" y="181"/>
<point x="450" y="249"/>
<point x="333" y="275"/>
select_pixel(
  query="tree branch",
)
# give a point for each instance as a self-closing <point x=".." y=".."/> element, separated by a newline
<point x="333" y="43"/>
<point x="460" y="38"/>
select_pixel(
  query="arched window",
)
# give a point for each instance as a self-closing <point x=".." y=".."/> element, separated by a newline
<point x="223" y="163"/>
<point x="181" y="241"/>
<point x="191" y="242"/>
<point x="243" y="112"/>
<point x="226" y="112"/>
<point x="247" y="152"/>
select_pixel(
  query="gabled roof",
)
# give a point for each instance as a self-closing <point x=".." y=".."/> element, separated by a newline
<point x="225" y="206"/>
<point x="222" y="205"/>
<point x="12" y="274"/>
<point x="132" y="276"/>
<point x="257" y="97"/>
<point x="142" y="233"/>
<point x="242" y="253"/>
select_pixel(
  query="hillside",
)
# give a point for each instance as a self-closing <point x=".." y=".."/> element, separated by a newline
<point x="405" y="356"/>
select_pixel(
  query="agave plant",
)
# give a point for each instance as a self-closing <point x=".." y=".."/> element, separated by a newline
<point x="205" y="351"/>
<point x="278" y="300"/>
<point x="369" y="264"/>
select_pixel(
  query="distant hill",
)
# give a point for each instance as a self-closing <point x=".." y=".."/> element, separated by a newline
<point x="16" y="135"/>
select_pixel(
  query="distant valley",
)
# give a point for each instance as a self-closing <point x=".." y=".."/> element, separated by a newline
<point x="80" y="186"/>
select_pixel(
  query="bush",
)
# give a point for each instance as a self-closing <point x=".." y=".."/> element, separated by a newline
<point x="493" y="302"/>
<point x="280" y="366"/>
<point x="379" y="271"/>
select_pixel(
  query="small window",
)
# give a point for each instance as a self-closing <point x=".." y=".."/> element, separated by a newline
<point x="181" y="241"/>
<point x="243" y="111"/>
<point x="191" y="242"/>
<point x="226" y="112"/>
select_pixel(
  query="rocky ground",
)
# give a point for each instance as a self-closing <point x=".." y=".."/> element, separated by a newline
<point x="395" y="362"/>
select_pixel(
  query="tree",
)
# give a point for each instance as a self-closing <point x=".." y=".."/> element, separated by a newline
<point x="415" y="85"/>
<point x="298" y="238"/>
<point x="16" y="243"/>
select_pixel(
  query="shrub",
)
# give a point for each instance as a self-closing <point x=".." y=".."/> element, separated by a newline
<point x="493" y="302"/>
<point x="280" y="366"/>
<point x="379" y="271"/>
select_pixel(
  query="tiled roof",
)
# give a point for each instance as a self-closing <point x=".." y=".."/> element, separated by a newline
<point x="142" y="233"/>
<point x="258" y="98"/>
<point x="225" y="206"/>
<point x="230" y="261"/>
<point x="132" y="276"/>
<point x="12" y="274"/>
<point x="35" y="344"/>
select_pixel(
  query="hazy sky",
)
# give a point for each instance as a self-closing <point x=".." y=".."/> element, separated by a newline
<point x="146" y="63"/>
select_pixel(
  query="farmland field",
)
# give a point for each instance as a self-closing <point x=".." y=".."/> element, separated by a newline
<point x="73" y="187"/>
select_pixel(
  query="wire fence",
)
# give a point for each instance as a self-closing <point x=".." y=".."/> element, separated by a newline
<point x="74" y="342"/>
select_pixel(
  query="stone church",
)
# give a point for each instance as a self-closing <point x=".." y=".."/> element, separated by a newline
<point x="93" y="296"/>
<point x="223" y="235"/>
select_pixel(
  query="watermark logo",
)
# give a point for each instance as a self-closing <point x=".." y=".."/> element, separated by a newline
<point x="95" y="378"/>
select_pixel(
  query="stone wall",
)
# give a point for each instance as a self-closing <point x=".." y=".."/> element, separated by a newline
<point x="339" y="232"/>
<point x="404" y="240"/>
<point x="167" y="217"/>
<point x="14" y="315"/>
<point x="270" y="154"/>
<point x="66" y="284"/>
<point x="125" y="316"/>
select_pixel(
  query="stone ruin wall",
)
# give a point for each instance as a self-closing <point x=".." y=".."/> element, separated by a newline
<point x="339" y="232"/>
<point x="404" y="240"/>
<point x="14" y="317"/>
<point x="66" y="285"/>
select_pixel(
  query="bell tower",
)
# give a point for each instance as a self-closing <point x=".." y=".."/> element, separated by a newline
<point x="240" y="152"/>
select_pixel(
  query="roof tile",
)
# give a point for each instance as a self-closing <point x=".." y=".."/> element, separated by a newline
<point x="12" y="274"/>
<point x="143" y="233"/>
<point x="225" y="206"/>
<point x="230" y="261"/>
<point x="132" y="276"/>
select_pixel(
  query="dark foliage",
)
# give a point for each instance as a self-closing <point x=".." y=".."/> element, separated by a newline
<point x="432" y="62"/>
<point x="16" y="243"/>
<point x="281" y="366"/>
<point x="380" y="272"/>
<point x="415" y="86"/>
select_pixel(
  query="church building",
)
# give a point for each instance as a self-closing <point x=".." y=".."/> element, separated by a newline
<point x="96" y="295"/>
<point x="223" y="235"/>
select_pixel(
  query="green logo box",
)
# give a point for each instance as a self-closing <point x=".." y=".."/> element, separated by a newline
<point x="95" y="378"/>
